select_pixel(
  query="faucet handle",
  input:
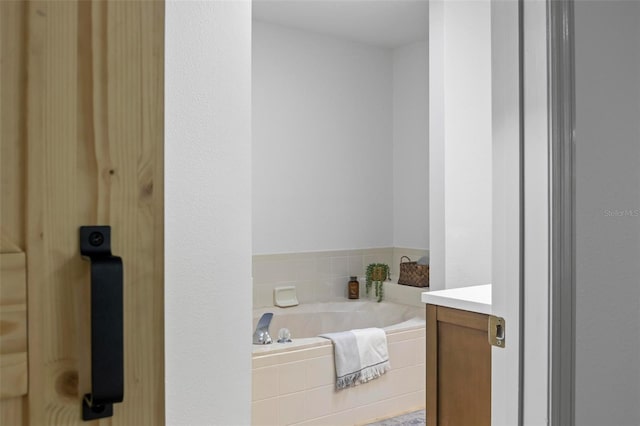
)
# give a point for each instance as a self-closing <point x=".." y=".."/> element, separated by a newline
<point x="284" y="335"/>
<point x="263" y="338"/>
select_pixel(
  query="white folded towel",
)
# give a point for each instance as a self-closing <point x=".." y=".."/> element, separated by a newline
<point x="360" y="355"/>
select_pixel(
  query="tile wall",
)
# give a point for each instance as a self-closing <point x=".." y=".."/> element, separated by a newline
<point x="320" y="276"/>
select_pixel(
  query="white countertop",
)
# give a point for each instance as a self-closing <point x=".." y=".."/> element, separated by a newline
<point x="475" y="299"/>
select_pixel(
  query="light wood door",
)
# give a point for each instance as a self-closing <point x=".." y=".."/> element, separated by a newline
<point x="81" y="127"/>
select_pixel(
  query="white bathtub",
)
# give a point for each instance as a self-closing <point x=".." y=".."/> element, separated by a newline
<point x="294" y="383"/>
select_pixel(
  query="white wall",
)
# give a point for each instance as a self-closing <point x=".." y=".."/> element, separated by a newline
<point x="208" y="213"/>
<point x="437" y="241"/>
<point x="460" y="159"/>
<point x="322" y="144"/>
<point x="607" y="53"/>
<point x="411" y="145"/>
<point x="536" y="220"/>
<point x="506" y="235"/>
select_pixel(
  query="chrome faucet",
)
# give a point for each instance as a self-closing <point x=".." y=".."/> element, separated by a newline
<point x="261" y="335"/>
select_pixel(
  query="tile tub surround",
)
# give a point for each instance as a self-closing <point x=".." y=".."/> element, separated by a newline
<point x="322" y="276"/>
<point x="309" y="320"/>
<point x="414" y="418"/>
<point x="297" y="387"/>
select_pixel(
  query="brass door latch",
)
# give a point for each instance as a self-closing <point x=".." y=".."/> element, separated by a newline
<point x="496" y="331"/>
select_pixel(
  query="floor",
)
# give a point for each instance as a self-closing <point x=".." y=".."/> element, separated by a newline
<point x="415" y="418"/>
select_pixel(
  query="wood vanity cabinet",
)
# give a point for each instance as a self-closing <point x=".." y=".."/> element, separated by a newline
<point x="458" y="368"/>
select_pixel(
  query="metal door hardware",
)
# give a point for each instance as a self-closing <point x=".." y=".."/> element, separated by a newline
<point x="107" y="348"/>
<point x="497" y="331"/>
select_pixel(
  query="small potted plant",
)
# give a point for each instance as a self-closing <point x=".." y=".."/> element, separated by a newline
<point x="376" y="273"/>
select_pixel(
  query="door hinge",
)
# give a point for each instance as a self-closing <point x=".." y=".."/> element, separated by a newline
<point x="496" y="331"/>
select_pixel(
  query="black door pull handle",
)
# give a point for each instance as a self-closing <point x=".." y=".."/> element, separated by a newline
<point x="107" y="347"/>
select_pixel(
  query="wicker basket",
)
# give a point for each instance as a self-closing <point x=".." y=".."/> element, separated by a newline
<point x="413" y="274"/>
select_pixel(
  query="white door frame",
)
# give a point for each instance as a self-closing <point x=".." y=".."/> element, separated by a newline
<point x="537" y="237"/>
<point x="508" y="208"/>
<point x="562" y="283"/>
<point x="534" y="273"/>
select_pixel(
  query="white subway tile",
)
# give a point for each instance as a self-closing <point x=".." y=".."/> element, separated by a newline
<point x="264" y="412"/>
<point x="416" y="333"/>
<point x="320" y="371"/>
<point x="272" y="272"/>
<point x="304" y="270"/>
<point x="263" y="296"/>
<point x="404" y="353"/>
<point x="422" y="350"/>
<point x="356" y="266"/>
<point x="339" y="266"/>
<point x="265" y="383"/>
<point x="323" y="291"/>
<point x="378" y="389"/>
<point x="305" y="291"/>
<point x="323" y="266"/>
<point x="291" y="408"/>
<point x="318" y="402"/>
<point x="292" y="377"/>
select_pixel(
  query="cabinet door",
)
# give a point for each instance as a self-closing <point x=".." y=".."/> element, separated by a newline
<point x="458" y="368"/>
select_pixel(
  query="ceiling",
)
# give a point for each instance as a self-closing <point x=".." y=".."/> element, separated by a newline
<point x="384" y="23"/>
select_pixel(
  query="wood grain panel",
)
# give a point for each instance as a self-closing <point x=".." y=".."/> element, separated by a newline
<point x="13" y="330"/>
<point x="6" y="244"/>
<point x="87" y="90"/>
<point x="94" y="119"/>
<point x="13" y="374"/>
<point x="54" y="269"/>
<point x="463" y="318"/>
<point x="12" y="125"/>
<point x="13" y="369"/>
<point x="11" y="411"/>
<point x="458" y="368"/>
<point x="464" y="371"/>
<point x="432" y="364"/>
<point x="13" y="279"/>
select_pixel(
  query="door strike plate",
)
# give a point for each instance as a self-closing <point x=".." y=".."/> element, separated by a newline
<point x="497" y="331"/>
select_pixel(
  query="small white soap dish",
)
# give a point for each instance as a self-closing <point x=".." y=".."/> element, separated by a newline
<point x="285" y="296"/>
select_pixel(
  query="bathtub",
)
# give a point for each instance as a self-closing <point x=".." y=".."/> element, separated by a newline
<point x="294" y="383"/>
